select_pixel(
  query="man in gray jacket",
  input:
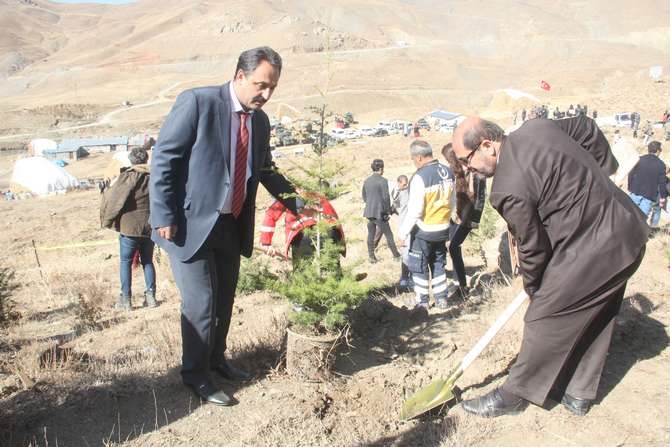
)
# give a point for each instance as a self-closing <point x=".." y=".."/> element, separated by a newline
<point x="212" y="152"/>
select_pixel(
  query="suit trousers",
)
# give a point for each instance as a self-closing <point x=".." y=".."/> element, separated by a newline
<point x="566" y="352"/>
<point x="381" y="225"/>
<point x="207" y="283"/>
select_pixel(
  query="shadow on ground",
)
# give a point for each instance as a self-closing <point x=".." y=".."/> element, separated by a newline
<point x="78" y="415"/>
<point x="636" y="337"/>
<point x="426" y="434"/>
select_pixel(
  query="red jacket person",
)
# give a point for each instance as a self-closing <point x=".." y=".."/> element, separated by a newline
<point x="295" y="224"/>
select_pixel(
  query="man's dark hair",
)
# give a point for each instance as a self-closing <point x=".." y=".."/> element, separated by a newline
<point x="654" y="147"/>
<point x="377" y="165"/>
<point x="138" y="155"/>
<point x="249" y="60"/>
<point x="484" y="130"/>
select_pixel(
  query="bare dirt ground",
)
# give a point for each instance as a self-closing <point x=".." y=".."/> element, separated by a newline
<point x="74" y="372"/>
<point x="63" y="383"/>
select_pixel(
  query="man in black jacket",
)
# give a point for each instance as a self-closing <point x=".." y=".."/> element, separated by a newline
<point x="378" y="209"/>
<point x="552" y="187"/>
<point x="647" y="183"/>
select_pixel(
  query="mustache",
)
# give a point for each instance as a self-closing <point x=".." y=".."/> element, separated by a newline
<point x="259" y="99"/>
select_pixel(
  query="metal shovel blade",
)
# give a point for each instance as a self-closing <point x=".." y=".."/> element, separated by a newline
<point x="441" y="391"/>
<point x="432" y="396"/>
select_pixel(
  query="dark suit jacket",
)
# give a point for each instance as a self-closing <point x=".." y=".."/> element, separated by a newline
<point x="190" y="175"/>
<point x="376" y="197"/>
<point x="575" y="229"/>
<point x="647" y="179"/>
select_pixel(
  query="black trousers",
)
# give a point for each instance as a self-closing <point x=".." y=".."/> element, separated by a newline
<point x="457" y="234"/>
<point x="385" y="229"/>
<point x="207" y="283"/>
<point x="566" y="351"/>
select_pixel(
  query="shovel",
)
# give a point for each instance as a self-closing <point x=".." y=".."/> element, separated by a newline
<point x="441" y="391"/>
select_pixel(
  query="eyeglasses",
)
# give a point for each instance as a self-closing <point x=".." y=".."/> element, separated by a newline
<point x="468" y="158"/>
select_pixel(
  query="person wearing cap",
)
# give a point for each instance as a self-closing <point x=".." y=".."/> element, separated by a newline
<point x="378" y="209"/>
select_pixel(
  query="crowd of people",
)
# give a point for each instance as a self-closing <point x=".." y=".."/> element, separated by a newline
<point x="552" y="186"/>
<point x="542" y="111"/>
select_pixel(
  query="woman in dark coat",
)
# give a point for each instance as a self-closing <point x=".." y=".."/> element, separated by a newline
<point x="125" y="208"/>
<point x="470" y="201"/>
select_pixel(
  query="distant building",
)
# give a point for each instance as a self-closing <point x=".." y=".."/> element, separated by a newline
<point x="75" y="148"/>
<point x="444" y="119"/>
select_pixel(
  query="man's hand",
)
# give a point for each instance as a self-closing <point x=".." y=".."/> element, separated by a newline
<point x="662" y="202"/>
<point x="167" y="233"/>
<point x="400" y="243"/>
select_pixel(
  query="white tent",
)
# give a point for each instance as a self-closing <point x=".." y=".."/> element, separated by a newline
<point x="39" y="145"/>
<point x="40" y="176"/>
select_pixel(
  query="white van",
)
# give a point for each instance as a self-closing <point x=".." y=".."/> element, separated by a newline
<point x="338" y="134"/>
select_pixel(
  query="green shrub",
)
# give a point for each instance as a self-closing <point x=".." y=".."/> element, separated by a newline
<point x="487" y="225"/>
<point x="254" y="276"/>
<point x="7" y="287"/>
<point x="321" y="290"/>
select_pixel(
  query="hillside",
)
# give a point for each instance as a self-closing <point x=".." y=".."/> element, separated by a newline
<point x="71" y="62"/>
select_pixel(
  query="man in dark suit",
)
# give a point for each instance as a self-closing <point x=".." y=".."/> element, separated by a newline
<point x="212" y="152"/>
<point x="579" y="238"/>
<point x="378" y="209"/>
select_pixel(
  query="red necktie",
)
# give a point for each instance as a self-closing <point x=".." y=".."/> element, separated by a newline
<point x="240" y="175"/>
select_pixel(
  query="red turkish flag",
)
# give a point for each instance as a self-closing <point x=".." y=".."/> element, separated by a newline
<point x="544" y="85"/>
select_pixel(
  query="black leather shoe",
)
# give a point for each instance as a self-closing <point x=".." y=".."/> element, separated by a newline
<point x="492" y="405"/>
<point x="211" y="394"/>
<point x="578" y="407"/>
<point x="229" y="372"/>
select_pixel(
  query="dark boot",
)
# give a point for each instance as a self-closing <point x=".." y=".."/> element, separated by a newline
<point x="123" y="303"/>
<point x="150" y="299"/>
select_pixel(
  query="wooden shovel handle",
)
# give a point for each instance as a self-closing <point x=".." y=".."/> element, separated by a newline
<point x="493" y="330"/>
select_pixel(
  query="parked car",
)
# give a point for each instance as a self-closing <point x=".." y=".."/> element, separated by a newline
<point x="446" y="128"/>
<point x="381" y="133"/>
<point x="400" y="125"/>
<point x="386" y="125"/>
<point x="423" y="124"/>
<point x="366" y="131"/>
<point x="337" y="133"/>
<point x="351" y="133"/>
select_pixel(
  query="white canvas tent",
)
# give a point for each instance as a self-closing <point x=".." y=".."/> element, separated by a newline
<point x="40" y="176"/>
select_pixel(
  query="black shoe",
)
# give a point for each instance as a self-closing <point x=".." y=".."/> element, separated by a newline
<point x="229" y="372"/>
<point x="209" y="393"/>
<point x="373" y="260"/>
<point x="578" y="407"/>
<point x="492" y="405"/>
